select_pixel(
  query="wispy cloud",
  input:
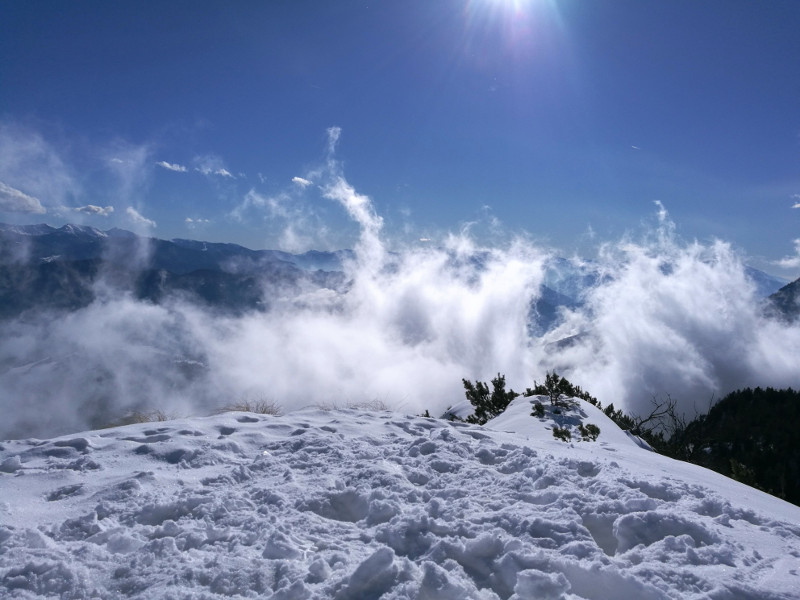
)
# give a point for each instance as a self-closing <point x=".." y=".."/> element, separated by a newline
<point x="334" y="133"/>
<point x="295" y="222"/>
<point x="796" y="198"/>
<point x="129" y="164"/>
<point x="303" y="183"/>
<point x="220" y="172"/>
<point x="91" y="209"/>
<point x="212" y="165"/>
<point x="37" y="167"/>
<point x="172" y="166"/>
<point x="138" y="219"/>
<point x="14" y="200"/>
<point x="253" y="199"/>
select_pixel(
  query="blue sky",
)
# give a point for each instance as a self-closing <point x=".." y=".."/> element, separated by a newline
<point x="565" y="119"/>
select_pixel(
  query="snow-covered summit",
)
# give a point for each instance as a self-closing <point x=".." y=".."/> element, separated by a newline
<point x="349" y="504"/>
<point x="518" y="418"/>
<point x="82" y="230"/>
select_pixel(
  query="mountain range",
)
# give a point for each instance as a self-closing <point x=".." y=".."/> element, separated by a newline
<point x="43" y="267"/>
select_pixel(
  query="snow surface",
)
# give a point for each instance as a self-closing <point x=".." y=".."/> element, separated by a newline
<point x="349" y="504"/>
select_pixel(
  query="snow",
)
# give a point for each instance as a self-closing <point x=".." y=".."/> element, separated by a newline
<point x="352" y="504"/>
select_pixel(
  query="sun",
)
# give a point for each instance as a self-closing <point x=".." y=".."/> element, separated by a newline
<point x="521" y="30"/>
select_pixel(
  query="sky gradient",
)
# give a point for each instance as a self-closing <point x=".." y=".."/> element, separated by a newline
<point x="564" y="120"/>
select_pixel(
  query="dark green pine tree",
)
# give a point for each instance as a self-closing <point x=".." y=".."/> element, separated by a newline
<point x="488" y="405"/>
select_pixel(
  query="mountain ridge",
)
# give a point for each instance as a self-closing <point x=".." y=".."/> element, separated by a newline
<point x="229" y="277"/>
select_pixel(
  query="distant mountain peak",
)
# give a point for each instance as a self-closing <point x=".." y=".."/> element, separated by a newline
<point x="69" y="228"/>
<point x="786" y="301"/>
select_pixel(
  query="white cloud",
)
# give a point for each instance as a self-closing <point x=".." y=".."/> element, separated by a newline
<point x="334" y="133"/>
<point x="91" y="209"/>
<point x="195" y="223"/>
<point x="172" y="166"/>
<point x="220" y="172"/>
<point x="303" y="183"/>
<point x="13" y="200"/>
<point x="791" y="262"/>
<point x="212" y="165"/>
<point x="138" y="219"/>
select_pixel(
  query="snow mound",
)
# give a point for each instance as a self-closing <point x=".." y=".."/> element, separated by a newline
<point x="572" y="413"/>
<point x="346" y="505"/>
<point x="520" y="417"/>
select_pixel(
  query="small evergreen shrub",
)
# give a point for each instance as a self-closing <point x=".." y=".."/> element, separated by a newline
<point x="562" y="433"/>
<point x="487" y="405"/>
<point x="538" y="410"/>
<point x="589" y="432"/>
<point x="555" y="386"/>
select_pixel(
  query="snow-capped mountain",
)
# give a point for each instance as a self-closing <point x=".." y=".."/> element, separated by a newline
<point x="355" y="504"/>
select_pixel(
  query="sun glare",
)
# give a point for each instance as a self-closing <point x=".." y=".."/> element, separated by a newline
<point x="513" y="10"/>
<point x="514" y="4"/>
<point x="517" y="6"/>
<point x="524" y="28"/>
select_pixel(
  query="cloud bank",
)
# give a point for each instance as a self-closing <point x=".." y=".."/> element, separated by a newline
<point x="660" y="316"/>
